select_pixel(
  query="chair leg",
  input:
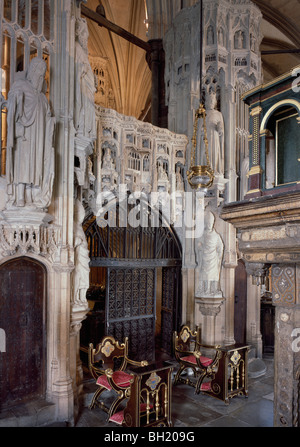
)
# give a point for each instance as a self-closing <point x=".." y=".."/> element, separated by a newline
<point x="182" y="367"/>
<point x="199" y="382"/>
<point x="95" y="398"/>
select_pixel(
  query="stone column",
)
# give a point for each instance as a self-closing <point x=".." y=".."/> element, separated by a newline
<point x="256" y="274"/>
<point x="77" y="316"/>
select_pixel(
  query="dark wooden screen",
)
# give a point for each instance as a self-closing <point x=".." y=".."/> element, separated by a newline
<point x="240" y="300"/>
<point x="171" y="306"/>
<point x="22" y="316"/>
<point x="131" y="257"/>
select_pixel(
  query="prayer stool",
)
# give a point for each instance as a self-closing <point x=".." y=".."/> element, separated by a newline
<point x="231" y="377"/>
<point x="188" y="355"/>
<point x="108" y="363"/>
<point x="225" y="374"/>
<point x="149" y="398"/>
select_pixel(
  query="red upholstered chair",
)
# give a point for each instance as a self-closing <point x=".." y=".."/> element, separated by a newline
<point x="107" y="364"/>
<point x="187" y="353"/>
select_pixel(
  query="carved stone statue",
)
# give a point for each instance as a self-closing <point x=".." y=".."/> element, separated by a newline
<point x="210" y="36"/>
<point x="107" y="162"/>
<point x="239" y="39"/>
<point x="209" y="253"/>
<point x="215" y="134"/>
<point x="30" y="128"/>
<point x="81" y="274"/>
<point x="179" y="180"/>
<point x="161" y="173"/>
<point x="84" y="114"/>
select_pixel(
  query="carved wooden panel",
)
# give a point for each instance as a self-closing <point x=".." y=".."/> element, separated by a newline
<point x="22" y="316"/>
<point x="283" y="284"/>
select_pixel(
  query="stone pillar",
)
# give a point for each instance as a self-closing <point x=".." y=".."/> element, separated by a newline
<point x="256" y="273"/>
<point x="77" y="316"/>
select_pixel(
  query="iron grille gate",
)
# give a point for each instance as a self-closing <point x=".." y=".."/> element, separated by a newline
<point x="130" y="308"/>
<point x="131" y="257"/>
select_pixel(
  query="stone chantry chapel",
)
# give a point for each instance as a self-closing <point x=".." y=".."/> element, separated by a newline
<point x="149" y="182"/>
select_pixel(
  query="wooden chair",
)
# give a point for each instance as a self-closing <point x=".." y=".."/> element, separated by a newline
<point x="108" y="363"/>
<point x="149" y="399"/>
<point x="188" y="355"/>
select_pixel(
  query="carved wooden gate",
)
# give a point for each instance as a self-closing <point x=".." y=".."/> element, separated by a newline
<point x="131" y="257"/>
<point x="22" y="317"/>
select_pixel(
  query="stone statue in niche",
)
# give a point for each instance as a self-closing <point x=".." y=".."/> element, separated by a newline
<point x="162" y="175"/>
<point x="221" y="37"/>
<point x="239" y="40"/>
<point x="84" y="113"/>
<point x="30" y="129"/>
<point x="215" y="134"/>
<point x="209" y="254"/>
<point x="252" y="43"/>
<point x="210" y="35"/>
<point x="179" y="180"/>
<point x="81" y="274"/>
<point x="107" y="162"/>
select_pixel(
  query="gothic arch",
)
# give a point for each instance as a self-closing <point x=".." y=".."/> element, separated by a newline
<point x="140" y="270"/>
<point x="285" y="102"/>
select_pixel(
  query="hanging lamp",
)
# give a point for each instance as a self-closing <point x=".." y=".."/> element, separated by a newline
<point x="200" y="176"/>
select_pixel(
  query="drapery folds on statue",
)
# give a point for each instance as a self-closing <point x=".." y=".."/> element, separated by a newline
<point x="30" y="128"/>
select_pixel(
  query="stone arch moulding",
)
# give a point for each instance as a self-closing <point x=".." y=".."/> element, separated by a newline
<point x="284" y="102"/>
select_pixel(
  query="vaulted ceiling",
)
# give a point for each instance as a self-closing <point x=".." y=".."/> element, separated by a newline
<point x="127" y="66"/>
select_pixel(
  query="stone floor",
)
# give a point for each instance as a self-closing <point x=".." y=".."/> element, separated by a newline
<point x="190" y="410"/>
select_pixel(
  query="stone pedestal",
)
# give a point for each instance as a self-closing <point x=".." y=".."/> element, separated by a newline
<point x="209" y="308"/>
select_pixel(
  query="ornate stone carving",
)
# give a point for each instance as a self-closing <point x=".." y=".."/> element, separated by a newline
<point x="30" y="238"/>
<point x="30" y="153"/>
<point x="84" y="113"/>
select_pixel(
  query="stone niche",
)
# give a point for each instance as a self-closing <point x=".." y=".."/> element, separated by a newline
<point x="268" y="230"/>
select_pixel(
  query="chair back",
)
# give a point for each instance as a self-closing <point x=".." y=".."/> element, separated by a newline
<point x="108" y="354"/>
<point x="186" y="340"/>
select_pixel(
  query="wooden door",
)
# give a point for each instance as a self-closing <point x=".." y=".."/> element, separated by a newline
<point x="240" y="303"/>
<point x="22" y="317"/>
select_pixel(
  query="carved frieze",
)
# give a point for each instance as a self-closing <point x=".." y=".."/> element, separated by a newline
<point x="25" y="239"/>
